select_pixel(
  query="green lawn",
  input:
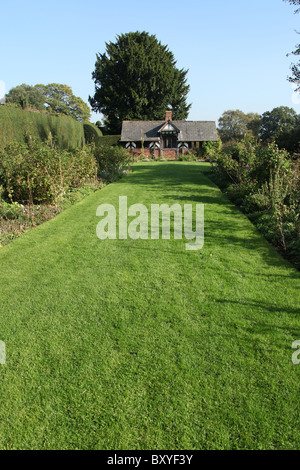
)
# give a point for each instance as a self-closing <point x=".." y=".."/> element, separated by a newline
<point x="140" y="344"/>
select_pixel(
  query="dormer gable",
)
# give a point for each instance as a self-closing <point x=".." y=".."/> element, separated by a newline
<point x="169" y="127"/>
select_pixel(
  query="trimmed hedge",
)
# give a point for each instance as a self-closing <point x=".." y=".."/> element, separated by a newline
<point x="16" y="124"/>
<point x="109" y="140"/>
<point x="91" y="132"/>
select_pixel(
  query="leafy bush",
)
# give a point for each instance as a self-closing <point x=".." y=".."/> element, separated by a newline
<point x="265" y="182"/>
<point x="270" y="161"/>
<point x="112" y="161"/>
<point x="188" y="157"/>
<point x="240" y="160"/>
<point x="47" y="181"/>
<point x="10" y="211"/>
<point x="37" y="172"/>
<point x="210" y="149"/>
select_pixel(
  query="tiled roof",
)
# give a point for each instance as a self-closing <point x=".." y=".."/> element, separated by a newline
<point x="189" y="131"/>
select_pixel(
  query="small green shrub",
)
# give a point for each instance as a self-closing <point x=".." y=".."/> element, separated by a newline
<point x="210" y="149"/>
<point x="188" y="157"/>
<point x="11" y="211"/>
<point x="112" y="161"/>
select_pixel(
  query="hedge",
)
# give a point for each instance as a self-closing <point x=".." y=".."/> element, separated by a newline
<point x="91" y="132"/>
<point x="16" y="124"/>
<point x="109" y="140"/>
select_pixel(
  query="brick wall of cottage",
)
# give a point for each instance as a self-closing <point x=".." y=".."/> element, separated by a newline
<point x="147" y="152"/>
<point x="170" y="154"/>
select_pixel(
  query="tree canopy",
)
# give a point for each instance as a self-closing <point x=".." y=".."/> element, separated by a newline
<point x="54" y="98"/>
<point x="281" y="125"/>
<point x="277" y="121"/>
<point x="61" y="100"/>
<point x="137" y="79"/>
<point x="234" y="124"/>
<point x="26" y="96"/>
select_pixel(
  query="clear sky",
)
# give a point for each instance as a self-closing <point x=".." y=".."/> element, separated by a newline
<point x="235" y="50"/>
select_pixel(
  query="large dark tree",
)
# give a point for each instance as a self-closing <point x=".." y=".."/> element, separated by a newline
<point x="137" y="79"/>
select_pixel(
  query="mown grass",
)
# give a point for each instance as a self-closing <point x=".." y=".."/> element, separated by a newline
<point x="140" y="344"/>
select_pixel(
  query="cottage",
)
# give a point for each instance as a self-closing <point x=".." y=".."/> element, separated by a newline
<point x="166" y="138"/>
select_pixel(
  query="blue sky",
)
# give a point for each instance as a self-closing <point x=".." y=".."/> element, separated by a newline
<point x="235" y="50"/>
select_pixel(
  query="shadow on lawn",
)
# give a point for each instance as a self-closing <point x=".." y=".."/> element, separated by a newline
<point x="226" y="226"/>
<point x="232" y="232"/>
<point x="274" y="319"/>
<point x="164" y="179"/>
<point x="166" y="175"/>
<point x="259" y="304"/>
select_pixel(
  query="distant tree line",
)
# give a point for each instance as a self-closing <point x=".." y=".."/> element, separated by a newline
<point x="281" y="125"/>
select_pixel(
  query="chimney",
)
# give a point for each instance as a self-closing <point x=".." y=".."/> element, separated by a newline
<point x="168" y="115"/>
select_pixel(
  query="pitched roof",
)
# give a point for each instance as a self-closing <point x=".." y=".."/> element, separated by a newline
<point x="169" y="126"/>
<point x="189" y="131"/>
